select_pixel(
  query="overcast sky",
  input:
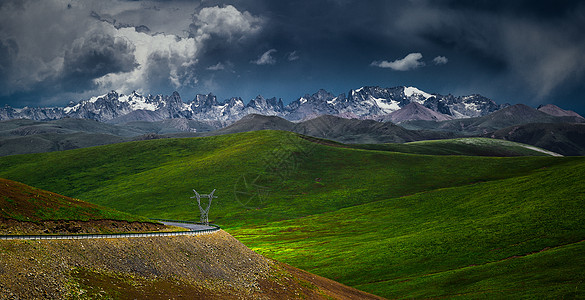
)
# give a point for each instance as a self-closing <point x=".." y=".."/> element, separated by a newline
<point x="56" y="51"/>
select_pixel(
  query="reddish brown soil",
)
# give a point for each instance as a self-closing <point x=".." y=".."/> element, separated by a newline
<point x="10" y="226"/>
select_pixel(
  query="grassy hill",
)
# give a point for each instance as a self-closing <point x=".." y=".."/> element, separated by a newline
<point x="260" y="176"/>
<point x="490" y="239"/>
<point x="462" y="146"/>
<point x="391" y="217"/>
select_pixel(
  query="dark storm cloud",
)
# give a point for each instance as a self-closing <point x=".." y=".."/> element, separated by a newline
<point x="535" y="48"/>
<point x="8" y="53"/>
<point x="506" y="49"/>
<point x="534" y="8"/>
<point x="163" y="71"/>
<point x="96" y="56"/>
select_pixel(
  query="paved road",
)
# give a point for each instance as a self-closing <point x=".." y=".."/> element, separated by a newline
<point x="192" y="229"/>
<point x="189" y="226"/>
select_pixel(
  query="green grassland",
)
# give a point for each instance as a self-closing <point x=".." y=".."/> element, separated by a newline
<point x="395" y="224"/>
<point x="428" y="244"/>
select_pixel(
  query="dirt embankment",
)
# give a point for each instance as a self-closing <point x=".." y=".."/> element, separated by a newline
<point x="213" y="266"/>
<point x="11" y="226"/>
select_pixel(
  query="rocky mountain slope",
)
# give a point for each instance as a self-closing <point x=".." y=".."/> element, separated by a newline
<point x="556" y="111"/>
<point x="363" y="103"/>
<point x="415" y="111"/>
<point x="510" y="116"/>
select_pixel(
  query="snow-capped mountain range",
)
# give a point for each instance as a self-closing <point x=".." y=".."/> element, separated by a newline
<point x="364" y="103"/>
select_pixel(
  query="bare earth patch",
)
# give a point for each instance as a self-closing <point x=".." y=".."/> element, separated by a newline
<point x="10" y="226"/>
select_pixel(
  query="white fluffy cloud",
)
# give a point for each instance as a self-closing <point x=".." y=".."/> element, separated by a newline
<point x="292" y="56"/>
<point x="217" y="67"/>
<point x="266" y="58"/>
<point x="226" y="22"/>
<point x="440" y="60"/>
<point x="409" y="62"/>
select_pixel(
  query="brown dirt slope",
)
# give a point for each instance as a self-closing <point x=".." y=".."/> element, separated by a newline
<point x="28" y="210"/>
<point x="213" y="266"/>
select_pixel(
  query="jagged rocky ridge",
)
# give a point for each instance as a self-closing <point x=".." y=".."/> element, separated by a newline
<point x="363" y="103"/>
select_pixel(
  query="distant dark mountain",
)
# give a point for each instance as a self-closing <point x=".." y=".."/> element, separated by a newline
<point x="513" y="115"/>
<point x="25" y="127"/>
<point x="22" y="136"/>
<point x="364" y="103"/>
<point x="415" y="111"/>
<point x="556" y="111"/>
<point x="138" y="115"/>
<point x="253" y="122"/>
<point x="563" y="138"/>
<point x="169" y="126"/>
<point x="362" y="131"/>
<point x="334" y="128"/>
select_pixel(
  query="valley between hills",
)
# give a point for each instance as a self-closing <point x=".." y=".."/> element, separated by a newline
<point x="461" y="218"/>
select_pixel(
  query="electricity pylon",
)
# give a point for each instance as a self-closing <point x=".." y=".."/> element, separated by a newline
<point x="204" y="212"/>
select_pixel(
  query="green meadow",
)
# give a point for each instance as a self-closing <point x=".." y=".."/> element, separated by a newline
<point x="394" y="224"/>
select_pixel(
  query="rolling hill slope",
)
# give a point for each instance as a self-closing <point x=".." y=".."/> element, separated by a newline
<point x="481" y="239"/>
<point x="270" y="170"/>
<point x="366" y="218"/>
<point x="463" y="146"/>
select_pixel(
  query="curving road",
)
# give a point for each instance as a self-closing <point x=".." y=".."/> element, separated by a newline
<point x="190" y="226"/>
<point x="193" y="229"/>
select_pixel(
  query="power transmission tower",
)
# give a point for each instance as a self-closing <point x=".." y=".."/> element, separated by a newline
<point x="204" y="212"/>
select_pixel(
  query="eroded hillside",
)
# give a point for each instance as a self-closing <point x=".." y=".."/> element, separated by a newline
<point x="213" y="266"/>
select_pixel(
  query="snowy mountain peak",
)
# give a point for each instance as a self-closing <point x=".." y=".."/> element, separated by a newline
<point x="367" y="102"/>
<point x="409" y="91"/>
